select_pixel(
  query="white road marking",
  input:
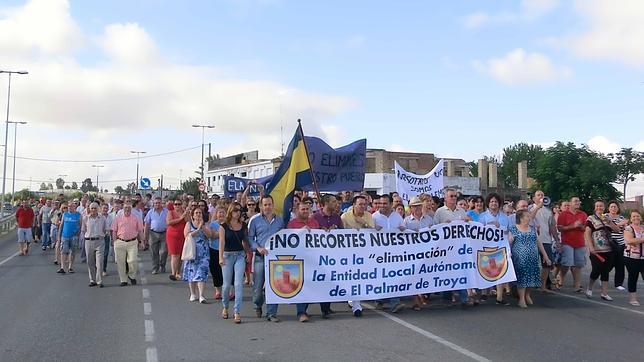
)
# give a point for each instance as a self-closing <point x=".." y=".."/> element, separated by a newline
<point x="151" y="354"/>
<point x="584" y="299"/>
<point x="146" y="293"/>
<point x="10" y="257"/>
<point x="144" y="280"/>
<point x="141" y="268"/>
<point x="149" y="330"/>
<point x="429" y="335"/>
<point x="147" y="308"/>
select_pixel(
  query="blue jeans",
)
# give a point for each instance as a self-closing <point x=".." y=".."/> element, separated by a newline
<point x="462" y="295"/>
<point x="46" y="238"/>
<point x="258" y="287"/>
<point x="234" y="262"/>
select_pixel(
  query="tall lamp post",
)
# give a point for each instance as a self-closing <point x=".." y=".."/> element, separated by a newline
<point x="203" y="130"/>
<point x="97" y="168"/>
<point x="138" y="155"/>
<point x="15" y="141"/>
<point x="6" y="130"/>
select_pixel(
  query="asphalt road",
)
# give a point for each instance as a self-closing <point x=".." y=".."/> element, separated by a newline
<point x="50" y="317"/>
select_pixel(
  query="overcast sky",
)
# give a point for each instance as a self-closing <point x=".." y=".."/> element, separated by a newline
<point x="455" y="78"/>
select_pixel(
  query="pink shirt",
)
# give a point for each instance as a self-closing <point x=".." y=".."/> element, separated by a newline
<point x="127" y="227"/>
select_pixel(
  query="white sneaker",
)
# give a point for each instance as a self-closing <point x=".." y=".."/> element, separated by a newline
<point x="606" y="297"/>
<point x="620" y="288"/>
<point x="193" y="298"/>
<point x="589" y="293"/>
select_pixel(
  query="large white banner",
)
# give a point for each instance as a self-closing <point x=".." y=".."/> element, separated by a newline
<point x="409" y="184"/>
<point x="324" y="266"/>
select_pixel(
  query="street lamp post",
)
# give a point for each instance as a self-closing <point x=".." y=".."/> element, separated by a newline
<point x="6" y="130"/>
<point x="97" y="168"/>
<point x="203" y="129"/>
<point x="15" y="141"/>
<point x="138" y="155"/>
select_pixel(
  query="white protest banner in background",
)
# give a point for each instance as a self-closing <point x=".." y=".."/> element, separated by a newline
<point x="330" y="266"/>
<point x="409" y="184"/>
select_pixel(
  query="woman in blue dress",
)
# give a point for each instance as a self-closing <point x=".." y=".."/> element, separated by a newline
<point x="195" y="271"/>
<point x="525" y="256"/>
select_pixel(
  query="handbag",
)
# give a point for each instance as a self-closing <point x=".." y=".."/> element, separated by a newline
<point x="609" y="237"/>
<point x="189" y="248"/>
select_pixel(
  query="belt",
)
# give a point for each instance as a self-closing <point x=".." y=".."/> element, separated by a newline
<point x="127" y="241"/>
<point x="158" y="232"/>
<point x="97" y="238"/>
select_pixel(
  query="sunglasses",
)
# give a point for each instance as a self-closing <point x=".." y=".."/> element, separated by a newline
<point x="250" y="204"/>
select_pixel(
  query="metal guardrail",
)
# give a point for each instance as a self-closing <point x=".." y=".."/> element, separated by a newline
<point x="7" y="223"/>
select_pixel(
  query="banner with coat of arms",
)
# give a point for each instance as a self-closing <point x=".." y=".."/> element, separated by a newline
<point x="306" y="266"/>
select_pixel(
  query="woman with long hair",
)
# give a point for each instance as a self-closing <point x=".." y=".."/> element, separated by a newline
<point x="233" y="246"/>
<point x="597" y="236"/>
<point x="176" y="220"/>
<point x="195" y="271"/>
<point x="634" y="255"/>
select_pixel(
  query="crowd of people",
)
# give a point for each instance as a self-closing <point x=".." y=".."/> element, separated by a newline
<point x="227" y="240"/>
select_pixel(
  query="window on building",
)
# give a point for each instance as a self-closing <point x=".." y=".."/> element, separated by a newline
<point x="243" y="174"/>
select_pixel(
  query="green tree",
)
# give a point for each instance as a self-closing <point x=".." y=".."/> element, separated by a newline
<point x="74" y="186"/>
<point x="60" y="183"/>
<point x="508" y="170"/>
<point x="87" y="186"/>
<point x="131" y="188"/>
<point x="191" y="186"/>
<point x="67" y="187"/>
<point x="43" y="186"/>
<point x="629" y="163"/>
<point x="50" y="186"/>
<point x="473" y="168"/>
<point x="566" y="170"/>
<point x="119" y="190"/>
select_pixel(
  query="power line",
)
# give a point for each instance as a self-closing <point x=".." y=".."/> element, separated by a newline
<point x="105" y="160"/>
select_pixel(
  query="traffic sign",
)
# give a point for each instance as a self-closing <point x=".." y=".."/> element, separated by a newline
<point x="202" y="187"/>
<point x="145" y="183"/>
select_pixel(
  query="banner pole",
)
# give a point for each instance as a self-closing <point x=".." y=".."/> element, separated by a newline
<point x="315" y="184"/>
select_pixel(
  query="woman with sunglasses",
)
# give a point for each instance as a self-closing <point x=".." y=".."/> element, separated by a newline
<point x="195" y="271"/>
<point x="176" y="220"/>
<point x="233" y="247"/>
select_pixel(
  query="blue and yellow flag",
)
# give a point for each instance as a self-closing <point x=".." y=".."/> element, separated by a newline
<point x="293" y="174"/>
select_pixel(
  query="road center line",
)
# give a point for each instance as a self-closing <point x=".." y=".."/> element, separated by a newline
<point x="10" y="257"/>
<point x="584" y="299"/>
<point x="149" y="330"/>
<point x="146" y="293"/>
<point x="147" y="308"/>
<point x="151" y="354"/>
<point x="429" y="335"/>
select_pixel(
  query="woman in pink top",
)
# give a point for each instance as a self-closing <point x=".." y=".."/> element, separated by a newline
<point x="634" y="255"/>
<point x="176" y="220"/>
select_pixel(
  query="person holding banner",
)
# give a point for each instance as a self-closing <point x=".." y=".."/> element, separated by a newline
<point x="358" y="218"/>
<point x="303" y="220"/>
<point x="526" y="248"/>
<point x="494" y="216"/>
<point x="416" y="221"/>
<point x="260" y="229"/>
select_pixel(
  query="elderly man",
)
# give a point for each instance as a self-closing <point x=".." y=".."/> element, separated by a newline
<point x="155" y="227"/>
<point x="127" y="228"/>
<point x="416" y="219"/>
<point x="94" y="228"/>
<point x="571" y="224"/>
<point x="358" y="218"/>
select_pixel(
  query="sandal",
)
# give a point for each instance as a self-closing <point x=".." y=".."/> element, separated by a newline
<point x="237" y="318"/>
<point x="634" y="303"/>
<point x="224" y="313"/>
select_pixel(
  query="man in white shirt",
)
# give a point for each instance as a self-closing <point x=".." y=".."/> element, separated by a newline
<point x="416" y="220"/>
<point x="94" y="228"/>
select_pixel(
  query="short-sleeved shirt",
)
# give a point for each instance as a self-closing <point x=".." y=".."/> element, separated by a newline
<point x="25" y="217"/>
<point x="328" y="221"/>
<point x="393" y="221"/>
<point x="618" y="236"/>
<point x="45" y="214"/>
<point x="350" y="221"/>
<point x="71" y="224"/>
<point x="260" y="229"/>
<point x="298" y="224"/>
<point x="94" y="227"/>
<point x="157" y="220"/>
<point x="473" y="215"/>
<point x="487" y="217"/>
<point x="214" y="230"/>
<point x="635" y="251"/>
<point x="444" y="215"/>
<point x="600" y="233"/>
<point x="545" y="220"/>
<point x="127" y="227"/>
<point x="413" y="223"/>
<point x="573" y="237"/>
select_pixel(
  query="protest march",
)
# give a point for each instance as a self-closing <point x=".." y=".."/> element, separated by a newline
<point x="290" y="243"/>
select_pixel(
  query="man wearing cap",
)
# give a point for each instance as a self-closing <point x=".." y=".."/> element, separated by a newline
<point x="94" y="228"/>
<point x="127" y="229"/>
<point x="416" y="220"/>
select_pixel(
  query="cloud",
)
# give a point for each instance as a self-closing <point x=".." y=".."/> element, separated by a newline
<point x="519" y="67"/>
<point x="603" y="145"/>
<point x="529" y="10"/>
<point x="615" y="31"/>
<point x="132" y="92"/>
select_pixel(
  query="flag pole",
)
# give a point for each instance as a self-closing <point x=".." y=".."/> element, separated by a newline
<point x="306" y="149"/>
